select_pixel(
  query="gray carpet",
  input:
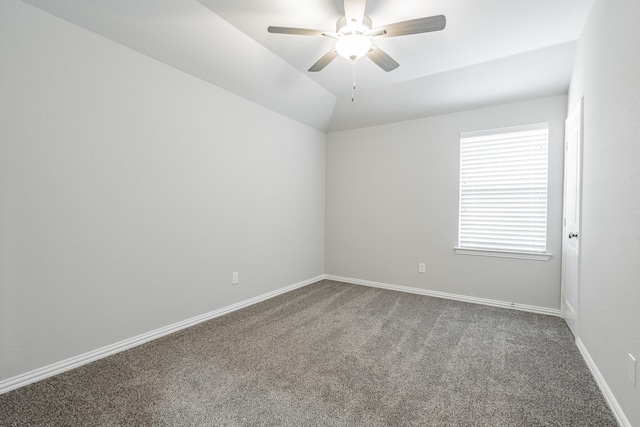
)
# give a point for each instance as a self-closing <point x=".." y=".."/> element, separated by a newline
<point x="333" y="354"/>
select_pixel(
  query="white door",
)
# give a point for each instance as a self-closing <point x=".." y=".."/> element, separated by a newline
<point x="571" y="230"/>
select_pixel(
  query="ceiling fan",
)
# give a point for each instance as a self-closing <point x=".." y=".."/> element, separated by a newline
<point x="354" y="34"/>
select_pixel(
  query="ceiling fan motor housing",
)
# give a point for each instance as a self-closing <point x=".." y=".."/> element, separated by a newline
<point x="341" y="23"/>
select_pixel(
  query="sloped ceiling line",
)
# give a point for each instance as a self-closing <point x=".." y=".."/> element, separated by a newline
<point x="489" y="53"/>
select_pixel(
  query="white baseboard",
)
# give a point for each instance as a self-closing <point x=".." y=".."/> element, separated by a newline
<point x="437" y="294"/>
<point x="76" y="361"/>
<point x="606" y="391"/>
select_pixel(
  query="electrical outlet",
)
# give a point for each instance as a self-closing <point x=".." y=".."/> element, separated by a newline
<point x="631" y="371"/>
<point x="422" y="268"/>
<point x="234" y="279"/>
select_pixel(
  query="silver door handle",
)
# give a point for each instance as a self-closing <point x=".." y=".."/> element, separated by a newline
<point x="573" y="235"/>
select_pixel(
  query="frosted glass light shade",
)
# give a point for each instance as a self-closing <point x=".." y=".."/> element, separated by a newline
<point x="353" y="46"/>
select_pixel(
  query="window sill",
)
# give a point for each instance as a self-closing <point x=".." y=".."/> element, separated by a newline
<point x="504" y="254"/>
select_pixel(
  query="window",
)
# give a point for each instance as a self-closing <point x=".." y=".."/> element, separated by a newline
<point x="503" y="192"/>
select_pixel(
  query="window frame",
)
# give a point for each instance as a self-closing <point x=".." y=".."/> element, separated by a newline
<point x="493" y="252"/>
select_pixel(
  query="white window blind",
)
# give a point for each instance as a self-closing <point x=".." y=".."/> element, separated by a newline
<point x="503" y="189"/>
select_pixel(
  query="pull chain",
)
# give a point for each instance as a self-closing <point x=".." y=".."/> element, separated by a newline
<point x="353" y="76"/>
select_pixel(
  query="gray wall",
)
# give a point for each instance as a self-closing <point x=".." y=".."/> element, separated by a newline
<point x="130" y="191"/>
<point x="607" y="75"/>
<point x="392" y="202"/>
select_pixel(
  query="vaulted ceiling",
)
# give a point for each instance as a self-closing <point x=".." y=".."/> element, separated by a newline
<point x="491" y="51"/>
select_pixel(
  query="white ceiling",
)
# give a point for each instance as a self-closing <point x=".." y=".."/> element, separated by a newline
<point x="491" y="51"/>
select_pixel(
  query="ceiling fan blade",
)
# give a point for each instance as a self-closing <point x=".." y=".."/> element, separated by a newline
<point x="414" y="26"/>
<point x="324" y="61"/>
<point x="354" y="11"/>
<point x="295" y="31"/>
<point x="382" y="59"/>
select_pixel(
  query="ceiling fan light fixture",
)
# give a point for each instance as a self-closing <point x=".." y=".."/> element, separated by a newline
<point x="353" y="46"/>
